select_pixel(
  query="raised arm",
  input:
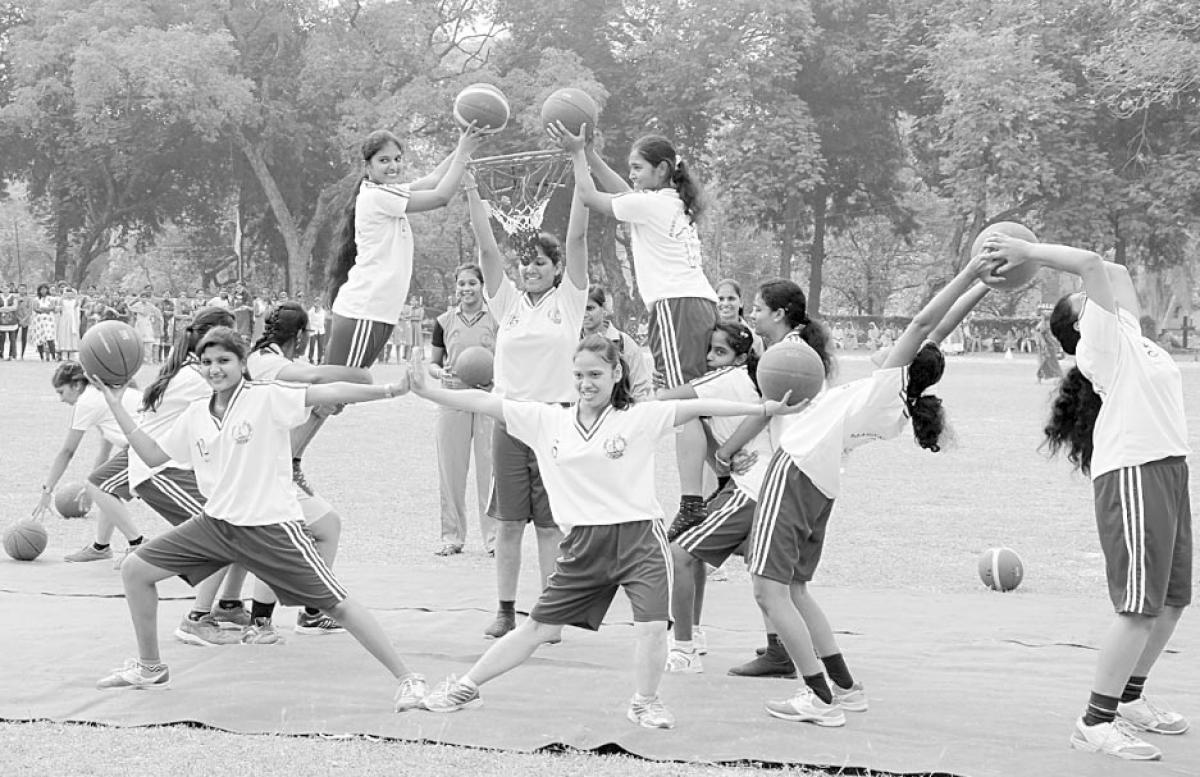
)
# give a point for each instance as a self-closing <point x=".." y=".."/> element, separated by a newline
<point x="491" y="262"/>
<point x="143" y="444"/>
<point x="1107" y="285"/>
<point x="576" y="248"/>
<point x="430" y="181"/>
<point x="324" y="373"/>
<point x="958" y="311"/>
<point x="585" y="187"/>
<point x="439" y="196"/>
<point x="606" y="178"/>
<point x="923" y="324"/>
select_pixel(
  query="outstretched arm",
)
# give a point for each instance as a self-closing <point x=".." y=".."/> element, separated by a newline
<point x="958" y="311"/>
<point x="585" y="187"/>
<point x="473" y="400"/>
<point x="430" y="181"/>
<point x="491" y="262"/>
<point x="430" y="199"/>
<point x="324" y="373"/>
<point x="923" y="324"/>
<point x="577" y="248"/>
<point x="351" y="393"/>
<point x="606" y="178"/>
<point x="1106" y="284"/>
<point x="691" y="409"/>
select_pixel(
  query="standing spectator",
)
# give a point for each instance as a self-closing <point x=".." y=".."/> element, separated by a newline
<point x="1048" y="366"/>
<point x="167" y="307"/>
<point x="44" y="327"/>
<point x="146" y="314"/>
<point x="417" y="322"/>
<point x="8" y="322"/>
<point x="24" y="317"/>
<point x="316" y="330"/>
<point x="70" y="312"/>
<point x="242" y="305"/>
<point x="261" y="307"/>
<point x="401" y="338"/>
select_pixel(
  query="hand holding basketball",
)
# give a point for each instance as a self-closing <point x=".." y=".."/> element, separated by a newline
<point x="416" y="372"/>
<point x="774" y="408"/>
<point x="568" y="141"/>
<point x="1007" y="245"/>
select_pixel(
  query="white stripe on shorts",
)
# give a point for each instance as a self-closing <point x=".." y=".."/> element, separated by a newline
<point x="1133" y="521"/>
<point x="664" y="546"/>
<point x="359" y="342"/>
<point x="114" y="481"/>
<point x="668" y="346"/>
<point x="692" y="538"/>
<point x="769" y="498"/>
<point x="176" y="493"/>
<point x="303" y="542"/>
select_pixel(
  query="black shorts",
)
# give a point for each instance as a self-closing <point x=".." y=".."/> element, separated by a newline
<point x="679" y="333"/>
<point x="355" y="342"/>
<point x="112" y="477"/>
<point x="518" y="493"/>
<point x="595" y="561"/>
<point x="173" y="494"/>
<point x="724" y="531"/>
<point x="789" y="524"/>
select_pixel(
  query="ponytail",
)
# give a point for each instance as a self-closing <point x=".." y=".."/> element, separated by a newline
<point x="656" y="149"/>
<point x="284" y="323"/>
<point x="1073" y="414"/>
<point x="741" y="340"/>
<point x="346" y="253"/>
<point x="925" y="410"/>
<point x="183" y="347"/>
<point x="69" y="372"/>
<point x="779" y="294"/>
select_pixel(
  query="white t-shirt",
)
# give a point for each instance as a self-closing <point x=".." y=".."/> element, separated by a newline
<point x="535" y="342"/>
<point x="734" y="384"/>
<point x="186" y="387"/>
<point x="666" y="245"/>
<point x="91" y="410"/>
<point x="243" y="461"/>
<point x="377" y="284"/>
<point x="599" y="476"/>
<point x="1142" y="418"/>
<point x="841" y="419"/>
<point x="267" y="363"/>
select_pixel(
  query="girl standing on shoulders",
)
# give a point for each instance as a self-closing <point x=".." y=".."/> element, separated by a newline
<point x="239" y="443"/>
<point x="1119" y="415"/>
<point x="459" y="433"/>
<point x="597" y="456"/>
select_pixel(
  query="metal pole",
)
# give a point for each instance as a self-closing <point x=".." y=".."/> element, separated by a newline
<point x="17" y="244"/>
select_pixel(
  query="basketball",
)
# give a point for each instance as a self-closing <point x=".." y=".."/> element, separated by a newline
<point x="474" y="366"/>
<point x="26" y="540"/>
<point x="483" y="104"/>
<point x="112" y="351"/>
<point x="1014" y="278"/>
<point x="72" y="500"/>
<point x="790" y="366"/>
<point x="573" y="107"/>
<point x="1000" y="569"/>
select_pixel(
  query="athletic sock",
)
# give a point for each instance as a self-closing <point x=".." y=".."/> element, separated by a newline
<point x="835" y="667"/>
<point x="1133" y="689"/>
<point x="230" y="604"/>
<point x="686" y="647"/>
<point x="508" y="607"/>
<point x="100" y="545"/>
<point x="819" y="687"/>
<point x="261" y="610"/>
<point x="311" y="612"/>
<point x="691" y="503"/>
<point x="196" y="615"/>
<point x="775" y="649"/>
<point x="1100" y="709"/>
<point x="137" y="541"/>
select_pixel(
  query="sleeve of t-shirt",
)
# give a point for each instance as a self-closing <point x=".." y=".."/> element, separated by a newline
<point x="712" y="385"/>
<point x="176" y="442"/>
<point x="638" y="207"/>
<point x="1099" y="342"/>
<point x="391" y="200"/>
<point x="882" y="394"/>
<point x="502" y="300"/>
<point x="88" y="411"/>
<point x="573" y="300"/>
<point x="439" y="335"/>
<point x="524" y="420"/>
<point x="658" y="417"/>
<point x="287" y="404"/>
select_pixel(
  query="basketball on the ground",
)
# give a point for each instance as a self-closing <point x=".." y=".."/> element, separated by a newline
<point x="573" y="107"/>
<point x="1000" y="569"/>
<point x="72" y="500"/>
<point x="112" y="351"/>
<point x="1017" y="277"/>
<point x="474" y="367"/>
<point x="26" y="540"/>
<point x="483" y="104"/>
<point x="792" y="366"/>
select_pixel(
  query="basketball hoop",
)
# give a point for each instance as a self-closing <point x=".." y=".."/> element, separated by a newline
<point x="518" y="187"/>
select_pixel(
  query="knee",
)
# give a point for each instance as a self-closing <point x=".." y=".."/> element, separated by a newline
<point x="328" y="528"/>
<point x="510" y="531"/>
<point x="684" y="561"/>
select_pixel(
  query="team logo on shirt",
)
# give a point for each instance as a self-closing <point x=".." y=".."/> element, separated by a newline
<point x="614" y="447"/>
<point x="202" y="449"/>
<point x="554" y="315"/>
<point x="242" y="432"/>
<point x="513" y="321"/>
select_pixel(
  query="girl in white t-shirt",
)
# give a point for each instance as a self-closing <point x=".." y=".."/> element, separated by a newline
<point x="661" y="203"/>
<point x="538" y="330"/>
<point x="1119" y="415"/>
<point x="88" y="411"/>
<point x="596" y="322"/>
<point x="803" y="480"/>
<point x="597" y="458"/>
<point x="239" y="443"/>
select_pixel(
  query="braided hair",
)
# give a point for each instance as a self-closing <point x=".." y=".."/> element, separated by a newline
<point x="656" y="149"/>
<point x="285" y="323"/>
<point x="925" y="410"/>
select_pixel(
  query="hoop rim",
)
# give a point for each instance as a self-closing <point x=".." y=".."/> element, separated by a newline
<point x="539" y="155"/>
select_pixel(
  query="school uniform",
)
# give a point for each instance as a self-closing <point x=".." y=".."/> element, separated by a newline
<point x="601" y="486"/>
<point x="670" y="272"/>
<point x="1138" y="468"/>
<point x="368" y="304"/>
<point x="243" y="463"/>
<point x="535" y="351"/>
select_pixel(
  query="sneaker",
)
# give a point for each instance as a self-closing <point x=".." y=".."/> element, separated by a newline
<point x="684" y="662"/>
<point x="449" y="549"/>
<point x="261" y="632"/>
<point x="805" y="707"/>
<point x="700" y="640"/>
<point x="852" y="699"/>
<point x="89" y="553"/>
<point x="769" y="664"/>
<point x="452" y="696"/>
<point x="686" y="519"/>
<point x="1146" y="715"/>
<point x="233" y="618"/>
<point x="119" y="559"/>
<point x="135" y="675"/>
<point x="411" y="693"/>
<point x="299" y="479"/>
<point x="651" y="713"/>
<point x="205" y="633"/>
<point x="1115" y="739"/>
<point x="316" y="625"/>
<point x="504" y="623"/>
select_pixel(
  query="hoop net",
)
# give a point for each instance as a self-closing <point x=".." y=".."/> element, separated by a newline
<point x="518" y="187"/>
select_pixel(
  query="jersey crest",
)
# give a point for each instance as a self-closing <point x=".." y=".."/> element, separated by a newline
<point x="242" y="432"/>
<point x="614" y="447"/>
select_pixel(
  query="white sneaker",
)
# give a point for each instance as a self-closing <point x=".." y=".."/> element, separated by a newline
<point x="684" y="662"/>
<point x="700" y="640"/>
<point x="1146" y="715"/>
<point x="805" y="707"/>
<point x="852" y="699"/>
<point x="1115" y="739"/>
<point x="412" y="691"/>
<point x="651" y="713"/>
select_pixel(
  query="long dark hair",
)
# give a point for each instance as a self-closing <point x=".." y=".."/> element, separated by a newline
<point x="284" y="323"/>
<point x="741" y="340"/>
<point x="1073" y="414"/>
<point x="780" y="294"/>
<point x="610" y="353"/>
<point x="346" y="252"/>
<point x="925" y="410"/>
<point x="1062" y="324"/>
<point x="223" y="337"/>
<point x="656" y="149"/>
<point x="69" y="372"/>
<point x="183" y="347"/>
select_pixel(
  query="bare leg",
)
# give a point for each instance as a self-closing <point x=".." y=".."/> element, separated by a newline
<point x="775" y="600"/>
<point x="1120" y="651"/>
<point x="206" y="591"/>
<point x="113" y="514"/>
<point x="548" y="540"/>
<point x="814" y="618"/>
<point x="649" y="656"/>
<point x="512" y="650"/>
<point x="508" y="558"/>
<point x="683" y="595"/>
<point x="691" y="447"/>
<point x="1160" y="635"/>
<point x="141" y="594"/>
<point x="359" y="621"/>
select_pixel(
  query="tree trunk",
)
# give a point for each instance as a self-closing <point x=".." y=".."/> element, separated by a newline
<point x="289" y="230"/>
<point x="787" y="239"/>
<point x="819" y="202"/>
<point x="62" y="248"/>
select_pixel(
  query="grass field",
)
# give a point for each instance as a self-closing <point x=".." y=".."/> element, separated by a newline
<point x="907" y="519"/>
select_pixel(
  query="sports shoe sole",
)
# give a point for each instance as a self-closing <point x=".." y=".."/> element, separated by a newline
<point x="191" y="639"/>
<point x="632" y="718"/>
<point x="1149" y="730"/>
<point x="468" y="706"/>
<point x="815" y="720"/>
<point x="314" y="631"/>
<point x="1084" y="746"/>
